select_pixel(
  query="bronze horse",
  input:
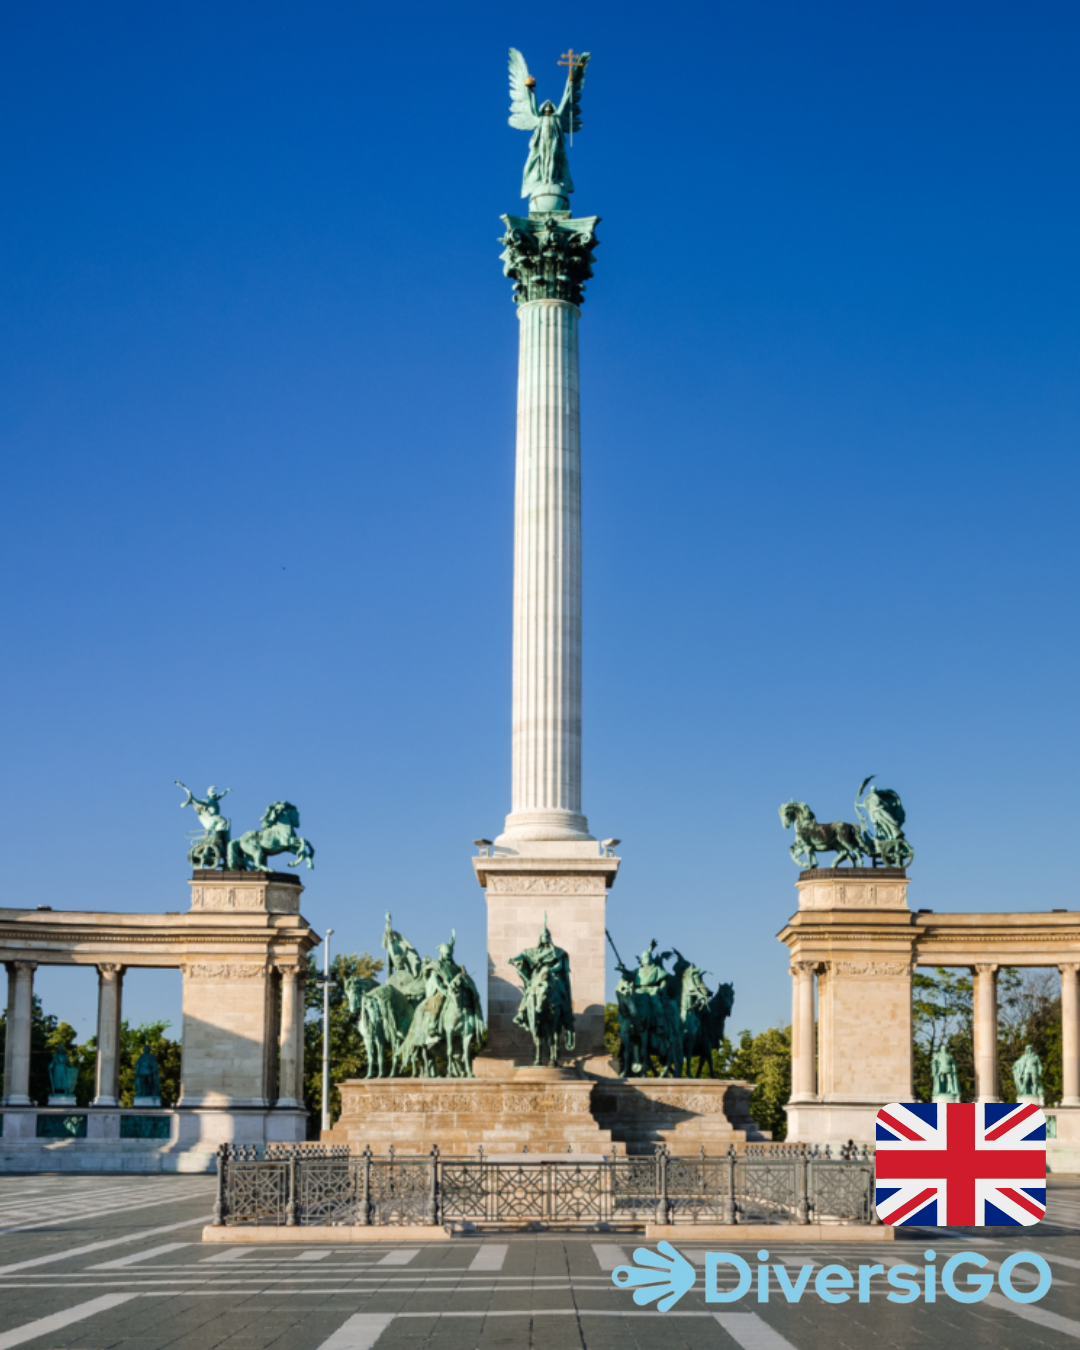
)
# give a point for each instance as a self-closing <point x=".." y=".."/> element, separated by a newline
<point x="812" y="837"/>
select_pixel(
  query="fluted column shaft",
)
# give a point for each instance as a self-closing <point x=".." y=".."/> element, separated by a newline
<point x="546" y="798"/>
<point x="110" y="984"/>
<point x="1070" y="1035"/>
<point x="17" y="1059"/>
<point x="291" y="1045"/>
<point x="986" y="1038"/>
<point x="802" y="1032"/>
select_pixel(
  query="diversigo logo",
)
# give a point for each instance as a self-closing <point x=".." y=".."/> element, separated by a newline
<point x="666" y="1275"/>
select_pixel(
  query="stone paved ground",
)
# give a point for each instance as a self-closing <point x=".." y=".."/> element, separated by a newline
<point x="89" y="1263"/>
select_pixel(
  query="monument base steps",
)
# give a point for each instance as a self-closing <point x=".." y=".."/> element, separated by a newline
<point x="549" y="1111"/>
<point x="686" y="1114"/>
<point x="461" y="1114"/>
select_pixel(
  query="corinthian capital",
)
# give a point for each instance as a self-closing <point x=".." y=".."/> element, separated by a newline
<point x="548" y="257"/>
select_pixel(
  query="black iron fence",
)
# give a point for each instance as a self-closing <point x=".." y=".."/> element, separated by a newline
<point x="326" y="1185"/>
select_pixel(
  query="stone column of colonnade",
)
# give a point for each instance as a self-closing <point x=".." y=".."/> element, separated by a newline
<point x="803" y="1039"/>
<point x="110" y="991"/>
<point x="1070" y="1034"/>
<point x="291" y="1061"/>
<point x="986" y="1033"/>
<point x="17" y="1044"/>
<point x="546" y="738"/>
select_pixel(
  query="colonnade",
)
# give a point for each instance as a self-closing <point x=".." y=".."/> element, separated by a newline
<point x="805" y="1033"/>
<point x="290" y="1067"/>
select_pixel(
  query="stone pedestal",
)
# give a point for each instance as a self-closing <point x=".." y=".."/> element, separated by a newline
<point x="544" y="1113"/>
<point x="854" y="931"/>
<point x="64" y="1099"/>
<point x="686" y="1114"/>
<point x="567" y="882"/>
<point x="154" y="1102"/>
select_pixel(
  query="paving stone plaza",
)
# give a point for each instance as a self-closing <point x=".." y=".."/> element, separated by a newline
<point x="113" y="1262"/>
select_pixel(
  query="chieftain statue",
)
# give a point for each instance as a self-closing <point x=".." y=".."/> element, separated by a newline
<point x="946" y="1079"/>
<point x="879" y="835"/>
<point x="278" y="832"/>
<point x="424" y="1006"/>
<point x="63" y="1074"/>
<point x="147" y="1075"/>
<point x="546" y="1010"/>
<point x="1028" y="1076"/>
<point x="668" y="1015"/>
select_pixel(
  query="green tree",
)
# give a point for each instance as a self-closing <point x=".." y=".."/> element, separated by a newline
<point x="347" y="1057"/>
<point x="1029" y="1011"/>
<point x="765" y="1060"/>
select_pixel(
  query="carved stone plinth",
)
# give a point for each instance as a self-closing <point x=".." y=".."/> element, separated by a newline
<point x="460" y="1114"/>
<point x="684" y="1113"/>
<point x="253" y="892"/>
<point x="873" y="888"/>
<point x="568" y="882"/>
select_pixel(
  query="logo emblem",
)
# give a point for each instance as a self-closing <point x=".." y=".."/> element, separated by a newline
<point x="958" y="1164"/>
<point x="666" y="1276"/>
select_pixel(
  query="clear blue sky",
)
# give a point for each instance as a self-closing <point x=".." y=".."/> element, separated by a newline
<point x="257" y="414"/>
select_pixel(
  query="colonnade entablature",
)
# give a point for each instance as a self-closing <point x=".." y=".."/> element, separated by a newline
<point x="242" y="951"/>
<point x="855" y="938"/>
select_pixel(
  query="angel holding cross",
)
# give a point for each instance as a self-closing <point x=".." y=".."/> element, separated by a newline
<point x="547" y="178"/>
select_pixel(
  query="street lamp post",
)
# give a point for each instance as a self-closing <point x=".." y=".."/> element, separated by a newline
<point x="326" y="1034"/>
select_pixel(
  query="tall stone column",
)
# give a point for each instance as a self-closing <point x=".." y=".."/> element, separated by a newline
<point x="803" y="1079"/>
<point x="986" y="1040"/>
<point x="546" y="738"/>
<point x="20" y="1010"/>
<point x="548" y="256"/>
<point x="291" y="1044"/>
<point x="1070" y="1035"/>
<point x="110" y="986"/>
<point x="9" y="1021"/>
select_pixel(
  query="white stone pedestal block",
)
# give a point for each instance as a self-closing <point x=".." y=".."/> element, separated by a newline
<point x="148" y="1101"/>
<point x="569" y="883"/>
<point x="63" y="1100"/>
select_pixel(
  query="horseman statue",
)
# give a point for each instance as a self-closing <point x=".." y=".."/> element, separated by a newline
<point x="449" y="1018"/>
<point x="278" y="832"/>
<point x="879" y="835"/>
<point x="425" y="1006"/>
<point x="668" y="1018"/>
<point x="546" y="1007"/>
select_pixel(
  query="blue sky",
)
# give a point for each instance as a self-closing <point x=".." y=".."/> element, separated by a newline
<point x="257" y="413"/>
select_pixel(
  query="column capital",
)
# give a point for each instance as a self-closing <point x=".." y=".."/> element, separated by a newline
<point x="1072" y="967"/>
<point x="986" y="968"/>
<point x="548" y="256"/>
<point x="110" y="970"/>
<point x="24" y="967"/>
<point x="290" y="969"/>
<point x="798" y="968"/>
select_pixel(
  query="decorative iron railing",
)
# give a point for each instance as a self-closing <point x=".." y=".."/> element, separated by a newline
<point x="305" y="1184"/>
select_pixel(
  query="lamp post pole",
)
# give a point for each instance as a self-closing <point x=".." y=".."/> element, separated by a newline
<point x="326" y="1034"/>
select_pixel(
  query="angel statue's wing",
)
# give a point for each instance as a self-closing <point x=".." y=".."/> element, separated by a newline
<point x="523" y="114"/>
<point x="569" y="111"/>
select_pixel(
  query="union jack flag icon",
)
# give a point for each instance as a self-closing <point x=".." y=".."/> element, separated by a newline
<point x="959" y="1164"/>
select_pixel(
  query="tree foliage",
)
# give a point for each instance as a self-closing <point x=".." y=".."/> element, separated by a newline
<point x="48" y="1034"/>
<point x="1029" y="1012"/>
<point x="347" y="1057"/>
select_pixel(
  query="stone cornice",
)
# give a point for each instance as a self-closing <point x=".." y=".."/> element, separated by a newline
<point x="509" y="868"/>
